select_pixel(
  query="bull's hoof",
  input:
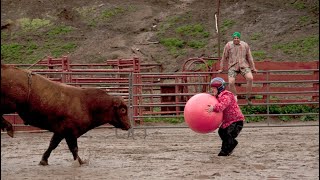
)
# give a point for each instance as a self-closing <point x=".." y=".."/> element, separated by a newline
<point x="78" y="163"/>
<point x="43" y="163"/>
<point x="81" y="161"/>
<point x="10" y="132"/>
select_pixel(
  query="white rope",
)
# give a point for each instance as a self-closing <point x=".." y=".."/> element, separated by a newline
<point x="216" y="19"/>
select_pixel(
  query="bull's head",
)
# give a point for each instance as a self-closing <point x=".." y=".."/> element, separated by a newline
<point x="121" y="119"/>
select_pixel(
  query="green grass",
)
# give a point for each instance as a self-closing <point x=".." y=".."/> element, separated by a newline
<point x="58" y="30"/>
<point x="59" y="50"/>
<point x="185" y="36"/>
<point x="259" y="55"/>
<point x="304" y="19"/>
<point x="165" y="26"/>
<point x="109" y="13"/>
<point x="301" y="47"/>
<point x="174" y="45"/>
<point x="31" y="52"/>
<point x="196" y="44"/>
<point x="4" y="35"/>
<point x="34" y="40"/>
<point x="277" y="109"/>
<point x="94" y="16"/>
<point x="168" y="25"/>
<point x="172" y="42"/>
<point x="11" y="52"/>
<point x="27" y="24"/>
<point x="226" y="24"/>
<point x="196" y="30"/>
<point x="173" y="120"/>
<point x="256" y="110"/>
<point x="256" y="36"/>
<point x="299" y="5"/>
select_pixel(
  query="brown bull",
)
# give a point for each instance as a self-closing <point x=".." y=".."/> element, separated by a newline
<point x="67" y="111"/>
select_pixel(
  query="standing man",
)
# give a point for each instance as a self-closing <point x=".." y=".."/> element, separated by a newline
<point x="239" y="58"/>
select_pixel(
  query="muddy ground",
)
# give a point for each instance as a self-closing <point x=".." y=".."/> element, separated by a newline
<point x="167" y="153"/>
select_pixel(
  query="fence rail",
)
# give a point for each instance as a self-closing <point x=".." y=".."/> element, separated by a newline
<point x="164" y="95"/>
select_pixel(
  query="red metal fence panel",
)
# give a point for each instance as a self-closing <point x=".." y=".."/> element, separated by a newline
<point x="150" y="91"/>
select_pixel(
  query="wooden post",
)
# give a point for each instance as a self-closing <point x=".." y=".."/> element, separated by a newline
<point x="218" y="28"/>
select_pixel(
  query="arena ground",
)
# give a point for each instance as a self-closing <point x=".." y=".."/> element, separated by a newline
<point x="167" y="153"/>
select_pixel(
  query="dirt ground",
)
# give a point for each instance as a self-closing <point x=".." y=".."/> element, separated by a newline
<point x="167" y="153"/>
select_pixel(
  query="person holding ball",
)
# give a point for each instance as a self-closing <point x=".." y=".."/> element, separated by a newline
<point x="232" y="122"/>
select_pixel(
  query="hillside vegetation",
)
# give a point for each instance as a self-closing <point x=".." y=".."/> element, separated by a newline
<point x="157" y="31"/>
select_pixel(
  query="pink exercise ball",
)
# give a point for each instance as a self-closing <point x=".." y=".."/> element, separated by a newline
<point x="197" y="117"/>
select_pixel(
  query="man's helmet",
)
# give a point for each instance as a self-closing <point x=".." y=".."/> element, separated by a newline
<point x="219" y="83"/>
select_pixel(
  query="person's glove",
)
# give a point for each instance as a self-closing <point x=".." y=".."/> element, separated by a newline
<point x="210" y="108"/>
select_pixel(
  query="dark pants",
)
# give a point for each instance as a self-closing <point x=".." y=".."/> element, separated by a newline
<point x="228" y="136"/>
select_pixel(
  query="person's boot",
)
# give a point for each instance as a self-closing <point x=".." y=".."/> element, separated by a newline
<point x="233" y="146"/>
<point x="222" y="153"/>
<point x="224" y="150"/>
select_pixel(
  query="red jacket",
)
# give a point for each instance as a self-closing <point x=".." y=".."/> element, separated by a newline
<point x="228" y="105"/>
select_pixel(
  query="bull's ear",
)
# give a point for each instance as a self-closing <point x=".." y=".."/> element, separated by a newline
<point x="116" y="102"/>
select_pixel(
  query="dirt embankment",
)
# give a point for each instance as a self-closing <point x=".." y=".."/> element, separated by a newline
<point x="136" y="28"/>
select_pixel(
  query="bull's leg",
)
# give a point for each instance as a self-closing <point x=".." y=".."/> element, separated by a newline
<point x="54" y="142"/>
<point x="6" y="125"/>
<point x="73" y="147"/>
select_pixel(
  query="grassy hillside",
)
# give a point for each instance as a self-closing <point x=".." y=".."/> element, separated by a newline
<point x="157" y="31"/>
